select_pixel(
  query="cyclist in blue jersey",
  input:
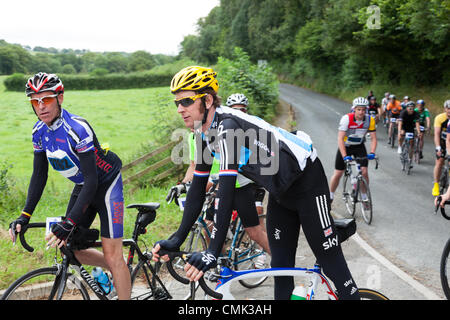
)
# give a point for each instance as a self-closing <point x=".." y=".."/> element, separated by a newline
<point x="286" y="165"/>
<point x="69" y="144"/>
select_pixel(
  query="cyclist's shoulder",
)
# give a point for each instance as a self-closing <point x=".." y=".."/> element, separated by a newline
<point x="38" y="128"/>
<point x="77" y="125"/>
<point x="440" y="118"/>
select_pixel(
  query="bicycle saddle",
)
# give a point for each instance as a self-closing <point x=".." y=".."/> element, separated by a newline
<point x="149" y="206"/>
<point x="345" y="228"/>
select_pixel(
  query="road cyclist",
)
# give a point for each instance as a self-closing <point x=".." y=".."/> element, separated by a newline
<point x="424" y="122"/>
<point x="70" y="145"/>
<point x="394" y="108"/>
<point x="440" y="136"/>
<point x="408" y="124"/>
<point x="286" y="165"/>
<point x="352" y="131"/>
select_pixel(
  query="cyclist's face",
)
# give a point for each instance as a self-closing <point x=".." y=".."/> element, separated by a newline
<point x="360" y="112"/>
<point x="447" y="110"/>
<point x="240" y="107"/>
<point x="192" y="113"/>
<point x="47" y="111"/>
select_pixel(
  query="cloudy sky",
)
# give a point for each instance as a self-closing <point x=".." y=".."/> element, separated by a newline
<point x="157" y="26"/>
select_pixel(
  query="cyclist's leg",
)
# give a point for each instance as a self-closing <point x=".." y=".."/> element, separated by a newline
<point x="339" y="168"/>
<point x="283" y="227"/>
<point x="110" y="208"/>
<point x="314" y="212"/>
<point x="90" y="257"/>
<point x="244" y="203"/>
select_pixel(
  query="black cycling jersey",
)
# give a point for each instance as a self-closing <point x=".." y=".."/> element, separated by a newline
<point x="408" y="120"/>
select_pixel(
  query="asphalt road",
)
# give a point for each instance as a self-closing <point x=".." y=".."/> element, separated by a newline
<point x="406" y="235"/>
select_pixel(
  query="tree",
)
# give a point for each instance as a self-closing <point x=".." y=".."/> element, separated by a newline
<point x="141" y="61"/>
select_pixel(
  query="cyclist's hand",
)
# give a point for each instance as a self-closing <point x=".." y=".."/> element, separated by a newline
<point x="444" y="198"/>
<point x="16" y="226"/>
<point x="169" y="245"/>
<point x="347" y="158"/>
<point x="175" y="192"/>
<point x="60" y="232"/>
<point x="371" y="156"/>
<point x="198" y="263"/>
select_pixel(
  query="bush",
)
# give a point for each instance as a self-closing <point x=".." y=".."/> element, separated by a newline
<point x="16" y="82"/>
<point x="257" y="82"/>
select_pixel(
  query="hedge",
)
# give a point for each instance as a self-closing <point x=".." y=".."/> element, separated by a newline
<point x="16" y="82"/>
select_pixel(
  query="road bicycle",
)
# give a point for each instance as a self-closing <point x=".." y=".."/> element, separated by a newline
<point x="444" y="177"/>
<point x="314" y="277"/>
<point x="241" y="250"/>
<point x="353" y="186"/>
<point x="405" y="158"/>
<point x="394" y="132"/>
<point x="67" y="279"/>
<point x="445" y="258"/>
<point x="417" y="145"/>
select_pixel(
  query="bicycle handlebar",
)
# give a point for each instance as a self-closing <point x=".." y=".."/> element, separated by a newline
<point x="185" y="256"/>
<point x="24" y="229"/>
<point x="366" y="158"/>
<point x="443" y="213"/>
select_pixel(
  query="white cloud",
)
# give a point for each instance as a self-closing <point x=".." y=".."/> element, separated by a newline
<point x="102" y="25"/>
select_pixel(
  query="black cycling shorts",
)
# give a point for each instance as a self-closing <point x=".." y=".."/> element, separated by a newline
<point x="244" y="204"/>
<point x="356" y="151"/>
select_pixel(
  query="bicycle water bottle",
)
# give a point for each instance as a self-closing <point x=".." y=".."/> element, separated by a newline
<point x="299" y="293"/>
<point x="102" y="279"/>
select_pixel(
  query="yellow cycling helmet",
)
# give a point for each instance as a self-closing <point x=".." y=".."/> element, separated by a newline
<point x="194" y="78"/>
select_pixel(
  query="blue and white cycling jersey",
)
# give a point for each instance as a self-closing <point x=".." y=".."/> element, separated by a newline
<point x="68" y="136"/>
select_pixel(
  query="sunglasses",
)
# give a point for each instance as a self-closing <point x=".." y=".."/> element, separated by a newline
<point x="187" y="101"/>
<point x="47" y="100"/>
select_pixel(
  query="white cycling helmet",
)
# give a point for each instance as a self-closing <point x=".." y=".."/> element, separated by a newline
<point x="237" y="98"/>
<point x="447" y="104"/>
<point x="360" y="102"/>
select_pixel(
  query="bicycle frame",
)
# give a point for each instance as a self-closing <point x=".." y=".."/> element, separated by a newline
<point x="314" y="275"/>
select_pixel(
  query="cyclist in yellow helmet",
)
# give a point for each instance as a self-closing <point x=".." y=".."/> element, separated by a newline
<point x="286" y="165"/>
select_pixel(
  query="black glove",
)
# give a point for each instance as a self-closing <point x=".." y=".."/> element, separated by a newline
<point x="169" y="245"/>
<point x="63" y="229"/>
<point x="22" y="220"/>
<point x="202" y="260"/>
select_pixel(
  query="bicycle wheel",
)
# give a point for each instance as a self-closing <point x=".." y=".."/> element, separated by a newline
<point x="38" y="285"/>
<point x="145" y="284"/>
<point x="417" y="150"/>
<point x="195" y="242"/>
<point x="444" y="270"/>
<point x="443" y="180"/>
<point x="348" y="195"/>
<point x="368" y="294"/>
<point x="247" y="255"/>
<point x="366" y="204"/>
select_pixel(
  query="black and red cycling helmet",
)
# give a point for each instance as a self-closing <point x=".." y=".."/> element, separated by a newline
<point x="42" y="82"/>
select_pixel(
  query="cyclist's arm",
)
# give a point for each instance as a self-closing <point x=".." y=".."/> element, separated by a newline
<point x="194" y="198"/>
<point x="189" y="173"/>
<point x="87" y="193"/>
<point x="341" y="143"/>
<point x="229" y="164"/>
<point x="437" y="137"/>
<point x="447" y="143"/>
<point x="37" y="182"/>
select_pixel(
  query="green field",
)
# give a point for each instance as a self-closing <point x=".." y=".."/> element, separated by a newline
<point x="132" y="121"/>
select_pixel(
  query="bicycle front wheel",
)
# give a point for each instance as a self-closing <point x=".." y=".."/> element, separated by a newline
<point x="368" y="294"/>
<point x="39" y="285"/>
<point x="246" y="256"/>
<point x="365" y="203"/>
<point x="348" y="195"/>
<point x="445" y="269"/>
